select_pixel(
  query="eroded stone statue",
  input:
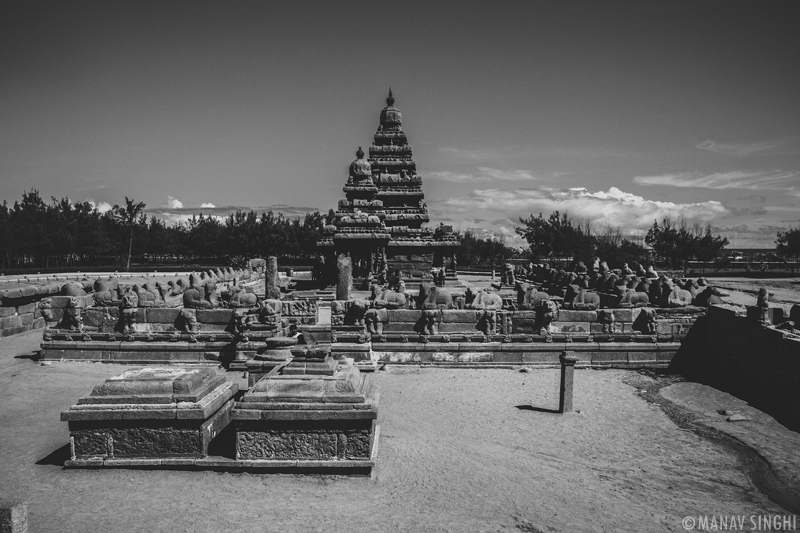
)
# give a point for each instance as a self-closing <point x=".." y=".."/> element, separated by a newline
<point x="387" y="299"/>
<point x="528" y="296"/>
<point x="546" y="312"/>
<point x="72" y="318"/>
<point x="237" y="297"/>
<point x="433" y="297"/>
<point x="580" y="298"/>
<point x="105" y="294"/>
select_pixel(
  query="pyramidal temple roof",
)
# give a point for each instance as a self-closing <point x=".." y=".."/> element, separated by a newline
<point x="384" y="202"/>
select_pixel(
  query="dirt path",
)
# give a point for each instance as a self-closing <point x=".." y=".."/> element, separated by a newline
<point x="456" y="454"/>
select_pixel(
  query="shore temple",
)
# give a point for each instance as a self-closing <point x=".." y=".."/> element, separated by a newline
<point x="380" y="222"/>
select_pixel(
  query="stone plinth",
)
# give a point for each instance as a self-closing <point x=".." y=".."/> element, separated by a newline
<point x="148" y="414"/>
<point x="311" y="420"/>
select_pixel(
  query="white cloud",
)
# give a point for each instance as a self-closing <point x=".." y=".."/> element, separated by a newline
<point x="629" y="212"/>
<point x="103" y="207"/>
<point x="736" y="149"/>
<point x="207" y="204"/>
<point x="173" y="203"/>
<point x="484" y="174"/>
<point x="739" y="179"/>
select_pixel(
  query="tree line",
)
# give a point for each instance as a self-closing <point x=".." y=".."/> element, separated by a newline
<point x="63" y="234"/>
<point x="668" y="241"/>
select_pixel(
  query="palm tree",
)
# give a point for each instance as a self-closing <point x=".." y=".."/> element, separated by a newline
<point x="128" y="215"/>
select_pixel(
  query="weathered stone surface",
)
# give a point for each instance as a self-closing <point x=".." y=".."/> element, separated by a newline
<point x="7" y="311"/>
<point x="215" y="316"/>
<point x="303" y="444"/>
<point x="137" y="441"/>
<point x="27" y="308"/>
<point x="26" y="319"/>
<point x="10" y="322"/>
<point x="569" y="315"/>
<point x="468" y="316"/>
<point x="165" y="315"/>
<point x="60" y="302"/>
<point x="155" y="385"/>
<point x="571" y="327"/>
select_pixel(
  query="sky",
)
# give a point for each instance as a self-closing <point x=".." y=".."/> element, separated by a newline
<point x="614" y="112"/>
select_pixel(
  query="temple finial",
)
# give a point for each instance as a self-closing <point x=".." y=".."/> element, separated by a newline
<point x="360" y="153"/>
<point x="390" y="99"/>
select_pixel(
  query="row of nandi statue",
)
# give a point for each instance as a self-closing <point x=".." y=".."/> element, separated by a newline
<point x="583" y="289"/>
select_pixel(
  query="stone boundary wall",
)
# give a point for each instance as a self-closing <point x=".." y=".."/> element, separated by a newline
<point x="752" y="354"/>
<point x="626" y="342"/>
<point x="19" y="307"/>
<point x="161" y="335"/>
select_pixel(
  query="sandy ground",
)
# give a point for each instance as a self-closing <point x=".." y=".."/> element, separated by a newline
<point x="783" y="292"/>
<point x="456" y="454"/>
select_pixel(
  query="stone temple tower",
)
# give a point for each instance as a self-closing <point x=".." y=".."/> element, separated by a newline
<point x="380" y="221"/>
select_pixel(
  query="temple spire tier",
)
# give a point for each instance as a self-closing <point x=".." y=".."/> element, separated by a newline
<point x="380" y="221"/>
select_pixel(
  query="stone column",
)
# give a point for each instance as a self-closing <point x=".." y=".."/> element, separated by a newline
<point x="271" y="289"/>
<point x="344" y="284"/>
<point x="567" y="373"/>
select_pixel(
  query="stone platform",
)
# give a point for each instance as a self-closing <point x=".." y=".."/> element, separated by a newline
<point x="149" y="414"/>
<point x="317" y="414"/>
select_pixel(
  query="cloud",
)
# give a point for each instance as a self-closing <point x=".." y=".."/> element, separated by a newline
<point x="746" y="211"/>
<point x="615" y="207"/>
<point x="103" y="207"/>
<point x="736" y="149"/>
<point x="173" y="203"/>
<point x="485" y="174"/>
<point x="207" y="204"/>
<point x="776" y="180"/>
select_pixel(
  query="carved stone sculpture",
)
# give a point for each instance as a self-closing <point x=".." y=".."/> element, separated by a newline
<point x="356" y="312"/>
<point x="374" y="319"/>
<point x="237" y="297"/>
<point x="72" y="319"/>
<point x="507" y="276"/>
<point x="546" y="312"/>
<point x="146" y="298"/>
<point x="195" y="296"/>
<point x="270" y="312"/>
<point x="72" y="288"/>
<point x="675" y="296"/>
<point x="708" y="297"/>
<point x="528" y="297"/>
<point x="104" y="294"/>
<point x="178" y="286"/>
<point x="482" y="299"/>
<point x="433" y="297"/>
<point x="387" y="299"/>
<point x="605" y="317"/>
<point x="128" y="312"/>
<point x="580" y="298"/>
<point x="189" y="322"/>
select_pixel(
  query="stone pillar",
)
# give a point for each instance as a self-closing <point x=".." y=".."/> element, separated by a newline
<point x="344" y="284"/>
<point x="567" y="373"/>
<point x="13" y="516"/>
<point x="271" y="289"/>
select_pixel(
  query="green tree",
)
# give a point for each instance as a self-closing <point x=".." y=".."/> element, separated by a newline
<point x="788" y="244"/>
<point x="558" y="235"/>
<point x="676" y="242"/>
<point x="128" y="215"/>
